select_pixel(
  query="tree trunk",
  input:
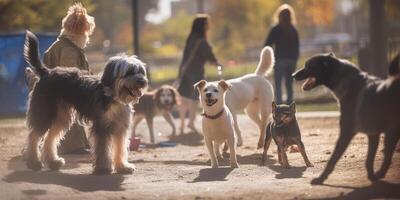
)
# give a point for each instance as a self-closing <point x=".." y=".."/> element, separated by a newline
<point x="378" y="38"/>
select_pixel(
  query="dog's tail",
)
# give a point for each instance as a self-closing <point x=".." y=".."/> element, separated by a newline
<point x="267" y="60"/>
<point x="31" y="54"/>
<point x="394" y="67"/>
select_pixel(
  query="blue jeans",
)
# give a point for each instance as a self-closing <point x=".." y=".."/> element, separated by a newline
<point x="284" y="70"/>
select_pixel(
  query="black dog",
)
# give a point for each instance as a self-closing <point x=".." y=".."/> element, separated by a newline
<point x="367" y="104"/>
<point x="104" y="103"/>
<point x="286" y="132"/>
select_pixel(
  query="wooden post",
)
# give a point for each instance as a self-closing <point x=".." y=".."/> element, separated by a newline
<point x="135" y="25"/>
<point x="378" y="38"/>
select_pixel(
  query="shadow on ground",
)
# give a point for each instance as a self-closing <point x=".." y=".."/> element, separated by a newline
<point x="292" y="172"/>
<point x="377" y="190"/>
<point x="253" y="159"/>
<point x="80" y="182"/>
<point x="212" y="174"/>
<point x="189" y="139"/>
<point x="72" y="162"/>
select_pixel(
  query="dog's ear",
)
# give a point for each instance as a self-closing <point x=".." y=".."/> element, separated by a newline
<point x="224" y="85"/>
<point x="199" y="85"/>
<point x="292" y="106"/>
<point x="331" y="54"/>
<point x="108" y="77"/>
<point x="273" y="106"/>
<point x="176" y="96"/>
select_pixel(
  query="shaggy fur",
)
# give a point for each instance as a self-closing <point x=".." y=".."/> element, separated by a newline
<point x="367" y="104"/>
<point x="158" y="102"/>
<point x="61" y="92"/>
<point x="77" y="25"/>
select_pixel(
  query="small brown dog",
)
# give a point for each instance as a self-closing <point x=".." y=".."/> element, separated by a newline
<point x="158" y="102"/>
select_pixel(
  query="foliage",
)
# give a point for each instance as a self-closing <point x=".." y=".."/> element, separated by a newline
<point x="35" y="14"/>
<point x="169" y="37"/>
<point x="233" y="22"/>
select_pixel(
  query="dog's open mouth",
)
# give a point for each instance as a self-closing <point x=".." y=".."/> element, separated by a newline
<point x="211" y="102"/>
<point x="134" y="92"/>
<point x="309" y="84"/>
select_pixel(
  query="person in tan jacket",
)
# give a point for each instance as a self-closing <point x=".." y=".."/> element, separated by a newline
<point x="68" y="51"/>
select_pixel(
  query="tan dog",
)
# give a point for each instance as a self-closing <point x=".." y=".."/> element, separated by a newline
<point x="217" y="120"/>
<point x="158" y="102"/>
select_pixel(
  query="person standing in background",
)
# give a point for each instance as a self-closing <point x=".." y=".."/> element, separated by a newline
<point x="67" y="51"/>
<point x="284" y="38"/>
<point x="196" y="53"/>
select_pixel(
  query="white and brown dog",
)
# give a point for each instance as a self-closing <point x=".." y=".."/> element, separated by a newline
<point x="217" y="120"/>
<point x="254" y="94"/>
<point x="151" y="104"/>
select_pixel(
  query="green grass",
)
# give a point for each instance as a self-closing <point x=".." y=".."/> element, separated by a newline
<point x="317" y="107"/>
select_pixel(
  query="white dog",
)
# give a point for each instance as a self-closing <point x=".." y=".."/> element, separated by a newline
<point x="254" y="94"/>
<point x="217" y="120"/>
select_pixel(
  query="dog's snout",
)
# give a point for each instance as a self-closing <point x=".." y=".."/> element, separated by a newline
<point x="141" y="82"/>
<point x="299" y="75"/>
<point x="208" y="95"/>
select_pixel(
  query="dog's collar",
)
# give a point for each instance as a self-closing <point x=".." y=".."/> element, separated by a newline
<point x="216" y="116"/>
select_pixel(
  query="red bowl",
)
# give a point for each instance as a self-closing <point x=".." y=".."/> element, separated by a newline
<point x="134" y="144"/>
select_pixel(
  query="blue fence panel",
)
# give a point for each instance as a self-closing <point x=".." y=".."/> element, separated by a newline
<point x="13" y="89"/>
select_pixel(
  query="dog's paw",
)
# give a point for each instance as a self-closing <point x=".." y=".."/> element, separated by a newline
<point x="286" y="166"/>
<point x="214" y="166"/>
<point x="239" y="143"/>
<point x="102" y="171"/>
<point x="225" y="154"/>
<point x="220" y="158"/>
<point x="126" y="169"/>
<point x="234" y="165"/>
<point x="379" y="174"/>
<point x="310" y="165"/>
<point x="34" y="165"/>
<point x="56" y="164"/>
<point x="317" y="181"/>
<point x="260" y="144"/>
<point x="372" y="177"/>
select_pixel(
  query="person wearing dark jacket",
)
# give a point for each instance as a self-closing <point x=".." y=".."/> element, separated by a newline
<point x="196" y="53"/>
<point x="283" y="37"/>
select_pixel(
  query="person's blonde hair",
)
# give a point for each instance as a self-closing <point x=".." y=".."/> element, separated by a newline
<point x="77" y="20"/>
<point x="285" y="8"/>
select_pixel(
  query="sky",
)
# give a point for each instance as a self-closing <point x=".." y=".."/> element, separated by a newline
<point x="163" y="12"/>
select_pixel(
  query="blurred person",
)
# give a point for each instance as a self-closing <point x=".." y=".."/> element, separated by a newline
<point x="68" y="51"/>
<point x="196" y="53"/>
<point x="283" y="37"/>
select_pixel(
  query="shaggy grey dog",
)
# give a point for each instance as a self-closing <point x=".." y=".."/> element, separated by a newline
<point x="61" y="93"/>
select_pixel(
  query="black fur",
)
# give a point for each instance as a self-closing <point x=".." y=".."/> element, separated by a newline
<point x="284" y="133"/>
<point x="31" y="53"/>
<point x="394" y="67"/>
<point x="367" y="104"/>
<point x="60" y="92"/>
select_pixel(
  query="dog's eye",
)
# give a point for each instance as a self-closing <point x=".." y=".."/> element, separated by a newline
<point x="215" y="90"/>
<point x="141" y="71"/>
<point x="205" y="90"/>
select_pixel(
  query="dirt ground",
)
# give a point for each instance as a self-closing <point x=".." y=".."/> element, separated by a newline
<point x="183" y="172"/>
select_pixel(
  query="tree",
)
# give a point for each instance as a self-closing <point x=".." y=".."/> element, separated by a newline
<point x="37" y="15"/>
<point x="234" y="22"/>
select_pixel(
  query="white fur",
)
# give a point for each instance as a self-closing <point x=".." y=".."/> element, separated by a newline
<point x="219" y="130"/>
<point x="254" y="94"/>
